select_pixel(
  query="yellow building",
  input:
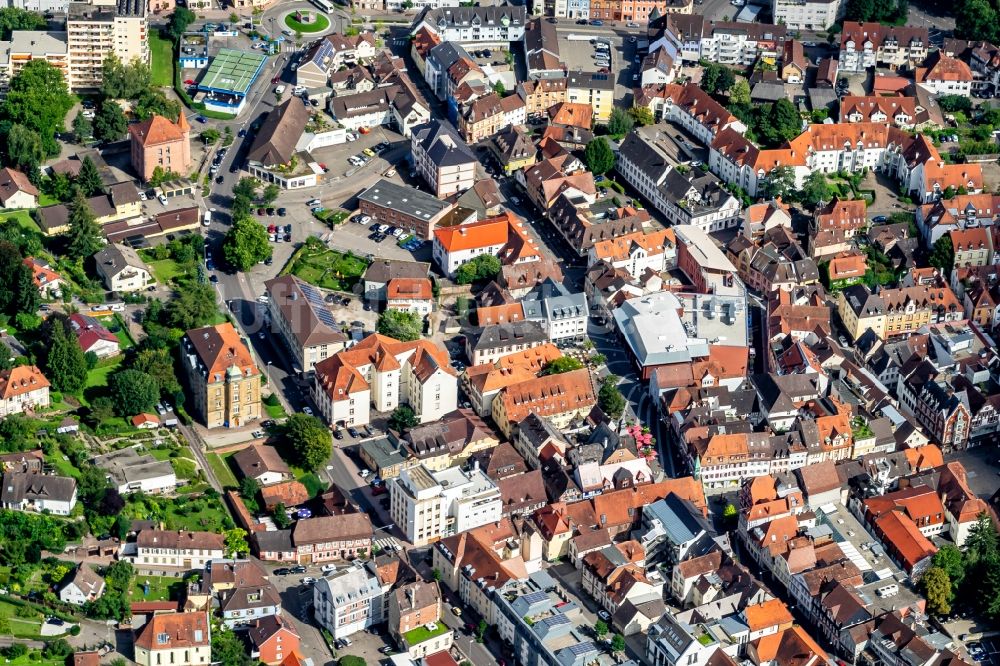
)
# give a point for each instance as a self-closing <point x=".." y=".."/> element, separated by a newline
<point x="894" y="312"/>
<point x="224" y="381"/>
<point x="594" y="88"/>
<point x="178" y="639"/>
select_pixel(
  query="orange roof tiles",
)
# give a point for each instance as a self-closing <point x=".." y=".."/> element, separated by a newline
<point x="174" y="631"/>
<point x="20" y="380"/>
<point x="847" y="265"/>
<point x="842" y="214"/>
<point x="499" y="314"/>
<point x="409" y="289"/>
<point x="572" y="114"/>
<point x="937" y="173"/>
<point x="487" y="233"/>
<point x="535" y="358"/>
<point x="155" y="131"/>
<point x="41" y="274"/>
<point x="771" y="613"/>
<point x="972" y="238"/>
<point x="289" y="493"/>
<point x="944" y="68"/>
<point x="618" y="249"/>
<point x="903" y="537"/>
<point x="548" y="395"/>
<point x="872" y="105"/>
<point x="221" y="348"/>
<point x="791" y="647"/>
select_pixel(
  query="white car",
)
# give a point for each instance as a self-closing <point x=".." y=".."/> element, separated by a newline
<point x="142" y="195"/>
<point x="328" y="568"/>
<point x="308" y="580"/>
<point x="365" y="219"/>
<point x="307" y="410"/>
<point x="364" y="474"/>
<point x="313" y="202"/>
<point x="382" y="228"/>
<point x="162" y="199"/>
<point x="399" y="233"/>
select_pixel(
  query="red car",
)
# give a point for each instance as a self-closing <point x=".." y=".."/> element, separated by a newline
<point x="271" y="229"/>
<point x="189" y="82"/>
<point x="275" y="79"/>
<point x="378" y="490"/>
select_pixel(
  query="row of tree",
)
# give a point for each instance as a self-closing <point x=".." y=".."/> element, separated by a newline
<point x="246" y="242"/>
<point x="971" y="574"/>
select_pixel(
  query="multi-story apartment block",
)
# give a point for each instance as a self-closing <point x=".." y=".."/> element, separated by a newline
<point x="442" y="159"/>
<point x="899" y="111"/>
<point x="158" y="142"/>
<point x="942" y="411"/>
<point x="428" y="505"/>
<point x="972" y="246"/>
<point x="96" y="30"/>
<point x="455" y="246"/>
<point x="222" y="376"/>
<point x="691" y="198"/>
<point x="304" y="322"/>
<point x="899" y="311"/>
<point x="695" y="38"/>
<point x="595" y="89"/>
<point x="807" y="14"/>
<point x="482" y="118"/>
<point x="386" y="373"/>
<point x="177" y="551"/>
<point x="348" y="601"/>
<point x="945" y="76"/>
<point x="27" y="45"/>
<point x="180" y="639"/>
<point x="863" y="45"/>
<point x="690" y="107"/>
<point x="409" y="208"/>
<point x="482" y="26"/>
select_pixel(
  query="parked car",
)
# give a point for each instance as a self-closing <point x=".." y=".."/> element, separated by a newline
<point x="282" y="571"/>
<point x="297" y="569"/>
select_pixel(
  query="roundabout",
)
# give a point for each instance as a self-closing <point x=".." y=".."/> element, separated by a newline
<point x="306" y="21"/>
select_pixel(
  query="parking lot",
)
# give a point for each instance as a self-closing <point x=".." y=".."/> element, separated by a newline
<point x="588" y="52"/>
<point x="985" y="651"/>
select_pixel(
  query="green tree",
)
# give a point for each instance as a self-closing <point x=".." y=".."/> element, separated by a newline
<point x="955" y="103"/>
<point x="617" y="643"/>
<point x="942" y="255"/>
<point x="601" y="628"/>
<point x="560" y="365"/>
<point x="952" y="561"/>
<point x="24" y="149"/>
<point x="620" y="123"/>
<point x="308" y="439"/>
<point x="280" y="516"/>
<point x="193" y="306"/>
<point x="124" y="81"/>
<point x="436" y="575"/>
<point x="110" y="122"/>
<point x="249" y="487"/>
<point x="84" y="235"/>
<point x="403" y="418"/>
<point x="779" y="183"/>
<point x="246" y="244"/>
<point x="609" y="398"/>
<point x="350" y="659"/>
<point x="83" y="129"/>
<point x="210" y="136"/>
<point x="975" y="20"/>
<point x="14" y="18"/>
<point x="481" y="268"/>
<point x="270" y="194"/>
<point x="499" y="88"/>
<point x="937" y="590"/>
<point x="236" y="542"/>
<point x="153" y="102"/>
<point x="65" y="365"/>
<point x="641" y="115"/>
<point x="227" y="648"/>
<point x="39" y="99"/>
<point x="88" y="178"/>
<point x="58" y="186"/>
<point x="178" y="25"/>
<point x="401" y="325"/>
<point x="981" y="544"/>
<point x="815" y="190"/>
<point x="247" y="188"/>
<point x="26" y="298"/>
<point x="859" y="10"/>
<point x="784" y="120"/>
<point x="598" y="156"/>
<point x="158" y="364"/>
<point x="133" y="392"/>
<point x="481" y="630"/>
<point x="740" y="93"/>
<point x="730" y="512"/>
<point x="119" y="575"/>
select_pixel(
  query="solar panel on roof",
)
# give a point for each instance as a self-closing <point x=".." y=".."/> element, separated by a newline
<point x="535" y="597"/>
<point x="315" y="300"/>
<point x="581" y="649"/>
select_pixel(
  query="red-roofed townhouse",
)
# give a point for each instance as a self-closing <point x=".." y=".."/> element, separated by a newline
<point x="410" y="294"/>
<point x="94" y="337"/>
<point x="973" y="246"/>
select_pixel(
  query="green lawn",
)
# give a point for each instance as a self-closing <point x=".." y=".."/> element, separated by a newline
<point x="45" y="200"/>
<point x="21" y="217"/>
<point x="321" y="23"/>
<point x="275" y="411"/>
<point x="165" y="270"/>
<point x="162" y="57"/>
<point x="98" y="377"/>
<point x="220" y="466"/>
<point x="312" y="483"/>
<point x="421" y="634"/>
<point x="62" y="465"/>
<point x="161" y="588"/>
<point x="211" y="517"/>
<point x="327" y="268"/>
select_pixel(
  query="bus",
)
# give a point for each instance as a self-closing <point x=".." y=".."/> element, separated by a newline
<point x="325" y="5"/>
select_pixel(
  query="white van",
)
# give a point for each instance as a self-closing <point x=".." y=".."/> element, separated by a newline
<point x="279" y="90"/>
<point x="206" y="219"/>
